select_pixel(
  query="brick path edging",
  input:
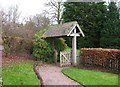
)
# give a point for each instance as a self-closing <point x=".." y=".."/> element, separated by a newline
<point x="35" y="68"/>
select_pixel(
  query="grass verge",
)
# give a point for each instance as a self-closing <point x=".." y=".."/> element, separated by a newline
<point x="20" y="73"/>
<point x="90" y="77"/>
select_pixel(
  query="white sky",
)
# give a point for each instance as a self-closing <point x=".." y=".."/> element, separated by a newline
<point x="26" y="7"/>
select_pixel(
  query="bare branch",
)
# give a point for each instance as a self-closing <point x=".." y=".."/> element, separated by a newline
<point x="56" y="8"/>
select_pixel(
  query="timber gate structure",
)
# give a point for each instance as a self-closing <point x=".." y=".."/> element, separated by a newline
<point x="70" y="29"/>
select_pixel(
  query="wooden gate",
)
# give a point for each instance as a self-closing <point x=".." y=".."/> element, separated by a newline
<point x="65" y="58"/>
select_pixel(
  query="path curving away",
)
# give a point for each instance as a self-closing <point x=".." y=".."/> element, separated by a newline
<point x="52" y="75"/>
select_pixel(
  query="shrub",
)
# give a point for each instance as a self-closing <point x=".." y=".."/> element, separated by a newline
<point x="7" y="46"/>
<point x="16" y="45"/>
<point x="42" y="50"/>
<point x="60" y="44"/>
<point x="105" y="58"/>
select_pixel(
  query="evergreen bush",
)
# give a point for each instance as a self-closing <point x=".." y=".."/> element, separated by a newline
<point x="42" y="50"/>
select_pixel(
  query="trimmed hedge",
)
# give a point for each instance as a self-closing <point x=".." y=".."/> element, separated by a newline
<point x="105" y="58"/>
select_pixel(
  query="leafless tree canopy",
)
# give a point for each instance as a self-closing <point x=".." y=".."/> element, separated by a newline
<point x="55" y="10"/>
<point x="40" y="20"/>
<point x="19" y="36"/>
<point x="11" y="26"/>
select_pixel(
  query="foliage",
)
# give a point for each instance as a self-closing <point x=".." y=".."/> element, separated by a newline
<point x="70" y="49"/>
<point x="17" y="37"/>
<point x="16" y="45"/>
<point x="105" y="58"/>
<point x="42" y="50"/>
<point x="99" y="23"/>
<point x="6" y="43"/>
<point x="90" y="78"/>
<point x="90" y="17"/>
<point x="20" y="74"/>
<point x="110" y="36"/>
<point x="57" y="44"/>
<point x="68" y="41"/>
<point x="60" y="44"/>
<point x="1" y="41"/>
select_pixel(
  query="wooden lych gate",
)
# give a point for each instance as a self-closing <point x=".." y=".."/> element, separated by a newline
<point x="70" y="29"/>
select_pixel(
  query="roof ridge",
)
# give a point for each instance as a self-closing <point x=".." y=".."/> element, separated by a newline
<point x="58" y="30"/>
<point x="64" y="23"/>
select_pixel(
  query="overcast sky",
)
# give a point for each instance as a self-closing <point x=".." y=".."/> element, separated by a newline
<point x="26" y="7"/>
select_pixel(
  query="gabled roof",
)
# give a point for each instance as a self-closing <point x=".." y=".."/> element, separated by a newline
<point x="59" y="30"/>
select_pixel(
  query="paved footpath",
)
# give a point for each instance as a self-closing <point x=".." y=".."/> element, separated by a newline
<point x="52" y="75"/>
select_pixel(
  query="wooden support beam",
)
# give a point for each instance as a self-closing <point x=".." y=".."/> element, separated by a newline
<point x="74" y="58"/>
<point x="74" y="34"/>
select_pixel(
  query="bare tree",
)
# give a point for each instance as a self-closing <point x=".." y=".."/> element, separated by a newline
<point x="34" y="24"/>
<point x="41" y="20"/>
<point x="16" y="14"/>
<point x="3" y="17"/>
<point x="54" y="13"/>
<point x="3" y="20"/>
<point x="13" y="14"/>
<point x="1" y="25"/>
<point x="55" y="10"/>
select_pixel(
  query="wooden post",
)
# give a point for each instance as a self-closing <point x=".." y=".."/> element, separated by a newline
<point x="55" y="56"/>
<point x="55" y="51"/>
<point x="74" y="59"/>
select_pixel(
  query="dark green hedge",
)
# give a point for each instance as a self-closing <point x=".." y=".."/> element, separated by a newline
<point x="42" y="50"/>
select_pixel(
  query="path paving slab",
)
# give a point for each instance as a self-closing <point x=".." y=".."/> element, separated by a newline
<point x="52" y="75"/>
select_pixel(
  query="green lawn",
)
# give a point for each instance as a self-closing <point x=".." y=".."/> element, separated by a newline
<point x="69" y="49"/>
<point x="90" y="77"/>
<point x="0" y="76"/>
<point x="20" y="74"/>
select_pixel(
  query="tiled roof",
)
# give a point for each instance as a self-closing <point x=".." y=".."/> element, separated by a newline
<point x="59" y="29"/>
